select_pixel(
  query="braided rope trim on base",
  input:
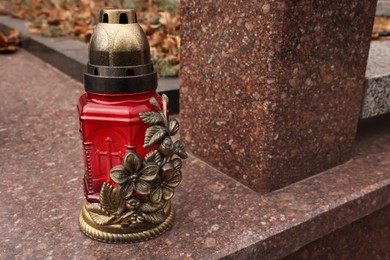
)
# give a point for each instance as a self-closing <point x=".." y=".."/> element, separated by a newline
<point x="116" y="238"/>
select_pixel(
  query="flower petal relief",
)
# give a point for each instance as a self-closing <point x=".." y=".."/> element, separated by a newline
<point x="133" y="176"/>
<point x="171" y="178"/>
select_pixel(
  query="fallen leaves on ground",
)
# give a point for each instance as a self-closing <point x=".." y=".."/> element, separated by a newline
<point x="76" y="18"/>
<point x="381" y="29"/>
<point x="162" y="30"/>
<point x="9" y="42"/>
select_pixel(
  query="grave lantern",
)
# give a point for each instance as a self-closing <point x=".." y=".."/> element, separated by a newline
<point x="132" y="166"/>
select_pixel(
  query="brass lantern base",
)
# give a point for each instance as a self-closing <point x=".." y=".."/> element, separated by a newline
<point x="117" y="233"/>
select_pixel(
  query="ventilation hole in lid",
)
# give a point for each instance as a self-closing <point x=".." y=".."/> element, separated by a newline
<point x="105" y="18"/>
<point x="123" y="18"/>
<point x="96" y="72"/>
<point x="129" y="72"/>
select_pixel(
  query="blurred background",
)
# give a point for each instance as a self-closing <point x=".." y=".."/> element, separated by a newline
<point x="160" y="19"/>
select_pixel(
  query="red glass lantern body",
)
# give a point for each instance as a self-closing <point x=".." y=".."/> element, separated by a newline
<point x="110" y="126"/>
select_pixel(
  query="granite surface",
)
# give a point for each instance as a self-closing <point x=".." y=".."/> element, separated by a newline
<point x="367" y="238"/>
<point x="271" y="90"/>
<point x="41" y="187"/>
<point x="376" y="95"/>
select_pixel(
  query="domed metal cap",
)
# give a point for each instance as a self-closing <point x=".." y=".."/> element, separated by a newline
<point x="119" y="55"/>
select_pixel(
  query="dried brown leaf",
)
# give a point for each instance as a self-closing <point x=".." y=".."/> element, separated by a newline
<point x="3" y="41"/>
<point x="9" y="42"/>
<point x="156" y="39"/>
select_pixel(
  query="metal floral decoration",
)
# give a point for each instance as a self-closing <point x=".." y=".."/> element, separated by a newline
<point x="139" y="207"/>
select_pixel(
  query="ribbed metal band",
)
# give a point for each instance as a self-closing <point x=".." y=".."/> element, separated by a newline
<point x="118" y="234"/>
<point x="129" y="84"/>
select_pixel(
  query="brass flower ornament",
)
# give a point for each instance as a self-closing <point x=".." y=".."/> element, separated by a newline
<point x="132" y="175"/>
<point x="171" y="178"/>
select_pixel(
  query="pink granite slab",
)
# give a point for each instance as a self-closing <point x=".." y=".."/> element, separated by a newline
<point x="41" y="187"/>
<point x="271" y="90"/>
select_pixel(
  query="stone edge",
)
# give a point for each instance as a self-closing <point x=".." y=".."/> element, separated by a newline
<point x="376" y="96"/>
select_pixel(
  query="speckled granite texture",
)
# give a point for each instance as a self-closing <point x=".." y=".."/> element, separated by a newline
<point x="367" y="238"/>
<point x="376" y="95"/>
<point x="271" y="90"/>
<point x="41" y="193"/>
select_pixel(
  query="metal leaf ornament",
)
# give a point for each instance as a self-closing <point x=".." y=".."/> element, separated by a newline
<point x="151" y="118"/>
<point x="153" y="135"/>
<point x="143" y="186"/>
<point x="170" y="169"/>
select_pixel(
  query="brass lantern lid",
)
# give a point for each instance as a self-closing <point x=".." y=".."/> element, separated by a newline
<point x="119" y="55"/>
